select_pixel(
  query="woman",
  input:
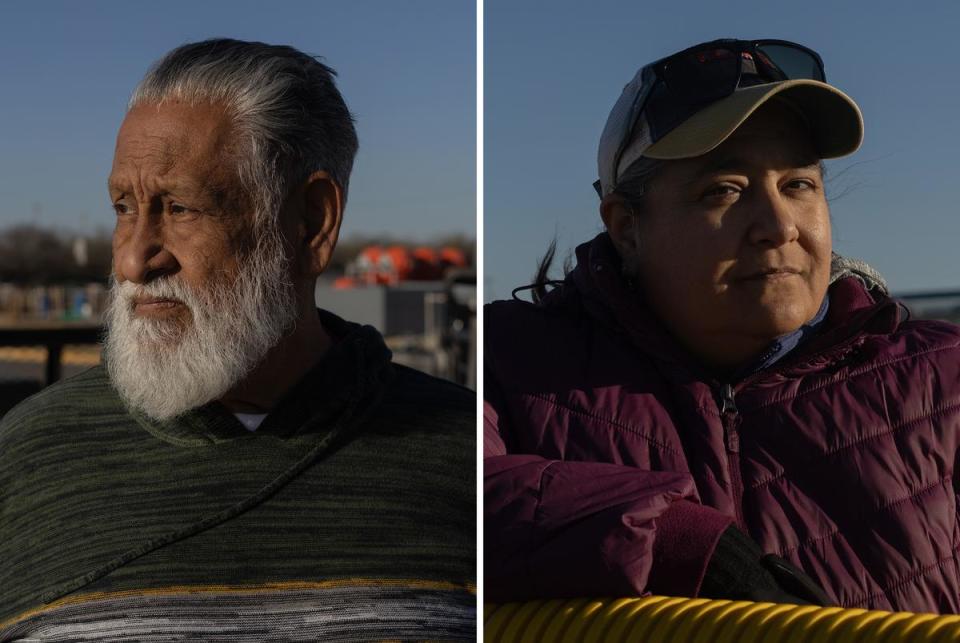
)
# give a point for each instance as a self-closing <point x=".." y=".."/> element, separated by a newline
<point x="711" y="401"/>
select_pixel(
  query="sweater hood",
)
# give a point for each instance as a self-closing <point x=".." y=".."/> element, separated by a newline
<point x="342" y="385"/>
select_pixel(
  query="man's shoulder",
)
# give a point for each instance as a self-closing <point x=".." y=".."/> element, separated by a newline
<point x="68" y="414"/>
<point x="85" y="391"/>
<point x="416" y="406"/>
<point x="425" y="425"/>
<point x="417" y="389"/>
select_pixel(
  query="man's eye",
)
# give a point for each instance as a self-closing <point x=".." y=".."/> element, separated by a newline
<point x="176" y="208"/>
<point x="122" y="208"/>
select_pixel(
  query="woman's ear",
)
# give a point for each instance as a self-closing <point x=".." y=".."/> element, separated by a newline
<point x="620" y="221"/>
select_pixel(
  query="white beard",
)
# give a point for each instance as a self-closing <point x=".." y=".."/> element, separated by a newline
<point x="164" y="369"/>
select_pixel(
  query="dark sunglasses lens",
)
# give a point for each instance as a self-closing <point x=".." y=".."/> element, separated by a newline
<point x="793" y="62"/>
<point x="691" y="81"/>
<point x="704" y="75"/>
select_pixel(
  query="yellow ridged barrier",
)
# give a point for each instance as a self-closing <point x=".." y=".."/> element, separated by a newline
<point x="659" y="619"/>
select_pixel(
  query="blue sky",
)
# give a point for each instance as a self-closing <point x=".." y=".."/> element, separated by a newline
<point x="406" y="69"/>
<point x="553" y="70"/>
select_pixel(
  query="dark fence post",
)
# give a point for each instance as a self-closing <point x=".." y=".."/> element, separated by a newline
<point x="54" y="355"/>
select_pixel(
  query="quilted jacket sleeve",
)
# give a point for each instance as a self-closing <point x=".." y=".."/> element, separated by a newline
<point x="555" y="528"/>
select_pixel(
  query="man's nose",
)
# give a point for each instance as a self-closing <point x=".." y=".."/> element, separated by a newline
<point x="141" y="254"/>
<point x="774" y="221"/>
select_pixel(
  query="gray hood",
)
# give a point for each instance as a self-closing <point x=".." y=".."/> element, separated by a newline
<point x="841" y="267"/>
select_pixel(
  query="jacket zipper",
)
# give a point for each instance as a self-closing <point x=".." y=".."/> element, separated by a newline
<point x="731" y="421"/>
<point x="730" y="415"/>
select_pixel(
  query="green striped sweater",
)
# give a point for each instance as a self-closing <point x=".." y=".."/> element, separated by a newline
<point x="348" y="515"/>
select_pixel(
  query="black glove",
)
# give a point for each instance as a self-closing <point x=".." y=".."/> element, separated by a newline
<point x="740" y="571"/>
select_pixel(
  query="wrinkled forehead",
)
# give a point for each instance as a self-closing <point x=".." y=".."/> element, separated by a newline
<point x="175" y="129"/>
<point x="194" y="142"/>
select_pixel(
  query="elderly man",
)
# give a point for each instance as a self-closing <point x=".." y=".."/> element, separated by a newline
<point x="244" y="466"/>
<point x="711" y="404"/>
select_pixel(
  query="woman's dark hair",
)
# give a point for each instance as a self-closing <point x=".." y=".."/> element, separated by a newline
<point x="541" y="278"/>
<point x="632" y="187"/>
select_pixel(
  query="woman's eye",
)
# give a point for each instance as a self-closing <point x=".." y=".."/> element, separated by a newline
<point x="722" y="190"/>
<point x="801" y="185"/>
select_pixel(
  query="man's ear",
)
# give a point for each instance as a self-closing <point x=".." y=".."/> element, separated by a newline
<point x="320" y="223"/>
<point x="619" y="219"/>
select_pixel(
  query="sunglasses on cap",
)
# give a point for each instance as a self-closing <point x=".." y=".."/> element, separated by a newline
<point x="696" y="77"/>
<point x="688" y="81"/>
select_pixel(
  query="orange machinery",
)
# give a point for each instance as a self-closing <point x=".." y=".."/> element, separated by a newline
<point x="378" y="265"/>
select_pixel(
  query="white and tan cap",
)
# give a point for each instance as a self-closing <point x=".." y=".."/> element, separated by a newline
<point x="834" y="119"/>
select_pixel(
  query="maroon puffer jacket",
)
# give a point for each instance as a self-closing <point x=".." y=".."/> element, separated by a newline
<point x="612" y="463"/>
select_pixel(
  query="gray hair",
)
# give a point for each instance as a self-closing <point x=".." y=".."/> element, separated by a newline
<point x="633" y="186"/>
<point x="634" y="183"/>
<point x="290" y="118"/>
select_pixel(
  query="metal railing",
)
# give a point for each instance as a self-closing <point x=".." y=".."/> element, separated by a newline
<point x="688" y="620"/>
<point x="54" y="338"/>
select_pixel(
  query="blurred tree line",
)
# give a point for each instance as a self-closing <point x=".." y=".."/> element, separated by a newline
<point x="33" y="255"/>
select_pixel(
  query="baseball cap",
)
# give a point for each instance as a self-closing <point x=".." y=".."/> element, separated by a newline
<point x="635" y="130"/>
